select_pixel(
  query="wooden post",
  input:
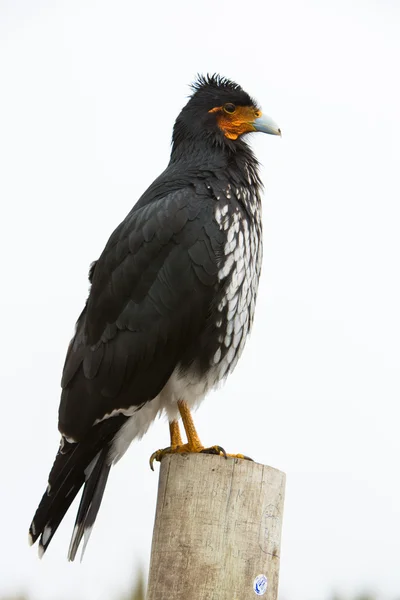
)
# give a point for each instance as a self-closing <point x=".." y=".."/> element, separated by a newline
<point x="217" y="530"/>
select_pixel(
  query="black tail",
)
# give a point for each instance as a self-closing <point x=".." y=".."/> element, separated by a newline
<point x="76" y="464"/>
<point x="90" y="502"/>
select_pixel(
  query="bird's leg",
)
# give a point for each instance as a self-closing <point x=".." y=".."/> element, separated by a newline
<point x="194" y="442"/>
<point x="193" y="438"/>
<point x="176" y="444"/>
<point x="193" y="445"/>
<point x="175" y="433"/>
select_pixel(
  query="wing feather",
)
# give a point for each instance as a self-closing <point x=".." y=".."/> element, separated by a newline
<point x="151" y="293"/>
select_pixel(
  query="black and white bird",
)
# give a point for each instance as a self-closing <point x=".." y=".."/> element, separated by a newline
<point x="170" y="307"/>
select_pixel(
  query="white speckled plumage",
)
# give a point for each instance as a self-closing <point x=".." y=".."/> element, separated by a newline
<point x="239" y="271"/>
<point x="170" y="306"/>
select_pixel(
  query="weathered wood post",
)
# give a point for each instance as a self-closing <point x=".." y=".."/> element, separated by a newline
<point x="217" y="530"/>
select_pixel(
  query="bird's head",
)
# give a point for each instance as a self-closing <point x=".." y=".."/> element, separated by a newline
<point x="222" y="112"/>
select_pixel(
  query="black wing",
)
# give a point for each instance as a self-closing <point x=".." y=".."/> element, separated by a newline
<point x="151" y="296"/>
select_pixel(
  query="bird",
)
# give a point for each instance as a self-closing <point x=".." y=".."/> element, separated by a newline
<point x="170" y="306"/>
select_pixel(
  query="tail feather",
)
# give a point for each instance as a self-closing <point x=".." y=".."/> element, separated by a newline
<point x="76" y="464"/>
<point x="58" y="497"/>
<point x="94" y="508"/>
<point x="90" y="502"/>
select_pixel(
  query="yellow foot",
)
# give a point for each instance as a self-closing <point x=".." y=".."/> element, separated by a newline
<point x="242" y="456"/>
<point x="184" y="448"/>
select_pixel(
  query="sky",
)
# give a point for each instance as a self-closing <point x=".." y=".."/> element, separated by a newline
<point x="89" y="94"/>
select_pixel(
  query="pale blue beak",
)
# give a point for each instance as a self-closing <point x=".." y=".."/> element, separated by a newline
<point x="266" y="125"/>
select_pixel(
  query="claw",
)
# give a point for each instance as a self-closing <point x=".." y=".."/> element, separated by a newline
<point x="214" y="450"/>
<point x="157" y="455"/>
<point x="185" y="448"/>
<point x="241" y="456"/>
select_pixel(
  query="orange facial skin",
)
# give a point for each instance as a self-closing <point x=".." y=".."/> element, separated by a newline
<point x="236" y="123"/>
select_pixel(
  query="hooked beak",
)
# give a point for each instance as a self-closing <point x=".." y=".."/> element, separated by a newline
<point x="266" y="125"/>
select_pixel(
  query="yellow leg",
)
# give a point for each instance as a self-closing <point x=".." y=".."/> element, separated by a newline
<point x="175" y="433"/>
<point x="193" y="439"/>
<point x="194" y="442"/>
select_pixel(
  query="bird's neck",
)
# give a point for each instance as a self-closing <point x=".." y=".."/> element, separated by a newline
<point x="233" y="157"/>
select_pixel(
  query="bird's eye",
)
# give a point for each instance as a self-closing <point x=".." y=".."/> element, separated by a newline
<point x="229" y="108"/>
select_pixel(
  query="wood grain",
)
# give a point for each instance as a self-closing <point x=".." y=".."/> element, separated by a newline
<point x="217" y="527"/>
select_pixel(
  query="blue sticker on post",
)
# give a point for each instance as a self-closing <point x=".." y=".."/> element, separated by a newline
<point x="260" y="585"/>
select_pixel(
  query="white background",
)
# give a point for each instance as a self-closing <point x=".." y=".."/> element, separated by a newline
<point x="88" y="95"/>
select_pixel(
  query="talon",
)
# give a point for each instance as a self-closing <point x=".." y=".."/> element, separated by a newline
<point x="241" y="456"/>
<point x="157" y="455"/>
<point x="152" y="459"/>
<point x="218" y="450"/>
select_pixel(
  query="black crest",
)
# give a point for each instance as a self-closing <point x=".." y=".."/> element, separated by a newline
<point x="214" y="90"/>
<point x="196" y="123"/>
